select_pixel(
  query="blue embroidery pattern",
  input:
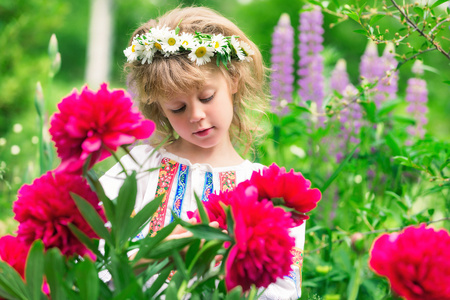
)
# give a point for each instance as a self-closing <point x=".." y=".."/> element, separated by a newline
<point x="208" y="187"/>
<point x="181" y="189"/>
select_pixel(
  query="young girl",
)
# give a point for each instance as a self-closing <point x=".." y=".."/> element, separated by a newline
<point x="197" y="76"/>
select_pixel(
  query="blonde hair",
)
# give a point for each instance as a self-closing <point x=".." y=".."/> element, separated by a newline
<point x="155" y="82"/>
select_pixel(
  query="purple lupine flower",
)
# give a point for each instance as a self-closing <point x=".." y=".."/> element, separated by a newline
<point x="417" y="96"/>
<point x="311" y="82"/>
<point x="387" y="85"/>
<point x="339" y="77"/>
<point x="351" y="122"/>
<point x="350" y="116"/>
<point x="371" y="68"/>
<point x="282" y="59"/>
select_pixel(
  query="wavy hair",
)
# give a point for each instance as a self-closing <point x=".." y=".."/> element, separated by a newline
<point x="156" y="82"/>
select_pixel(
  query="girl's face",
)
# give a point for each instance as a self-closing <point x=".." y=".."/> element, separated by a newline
<point x="202" y="117"/>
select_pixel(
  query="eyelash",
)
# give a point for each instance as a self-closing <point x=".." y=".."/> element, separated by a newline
<point x="181" y="109"/>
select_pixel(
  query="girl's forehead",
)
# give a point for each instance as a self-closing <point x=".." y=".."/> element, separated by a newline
<point x="211" y="79"/>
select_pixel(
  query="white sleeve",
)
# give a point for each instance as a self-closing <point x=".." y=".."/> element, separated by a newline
<point x="289" y="287"/>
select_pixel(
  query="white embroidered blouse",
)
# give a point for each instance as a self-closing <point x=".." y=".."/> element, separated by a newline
<point x="179" y="180"/>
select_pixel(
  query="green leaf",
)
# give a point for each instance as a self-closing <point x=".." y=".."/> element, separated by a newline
<point x="54" y="272"/>
<point x="370" y="109"/>
<point x="206" y="232"/>
<point x="147" y="244"/>
<point x="403" y="161"/>
<point x="360" y="31"/>
<point x="405" y="120"/>
<point x="338" y="170"/>
<point x="160" y="280"/>
<point x="194" y="248"/>
<point x="161" y="250"/>
<point x="352" y="15"/>
<point x="445" y="164"/>
<point x="179" y="263"/>
<point x="393" y="144"/>
<point x="205" y="256"/>
<point x="418" y="10"/>
<point x="87" y="280"/>
<point x="153" y="269"/>
<point x="92" y="217"/>
<point x="298" y="108"/>
<point x="128" y="292"/>
<point x="84" y="239"/>
<point x="11" y="282"/>
<point x="136" y="223"/>
<point x="201" y="210"/>
<point x="387" y="107"/>
<point x="437" y="3"/>
<point x="125" y="205"/>
<point x="107" y="203"/>
<point x="375" y="19"/>
<point x="235" y="294"/>
<point x="446" y="82"/>
<point x="34" y="269"/>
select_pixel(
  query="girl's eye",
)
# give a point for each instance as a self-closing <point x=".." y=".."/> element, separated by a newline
<point x="181" y="109"/>
<point x="207" y="99"/>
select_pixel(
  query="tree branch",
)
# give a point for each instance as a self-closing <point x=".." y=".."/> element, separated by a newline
<point x="421" y="32"/>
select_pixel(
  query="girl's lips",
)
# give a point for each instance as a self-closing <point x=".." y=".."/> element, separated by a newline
<point x="204" y="132"/>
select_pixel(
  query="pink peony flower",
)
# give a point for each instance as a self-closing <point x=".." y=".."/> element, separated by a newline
<point x="94" y="124"/>
<point x="45" y="207"/>
<point x="262" y="249"/>
<point x="274" y="183"/>
<point x="415" y="261"/>
<point x="214" y="208"/>
<point x="14" y="252"/>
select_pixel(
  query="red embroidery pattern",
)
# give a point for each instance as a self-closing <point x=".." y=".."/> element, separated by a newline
<point x="227" y="181"/>
<point x="297" y="260"/>
<point x="167" y="173"/>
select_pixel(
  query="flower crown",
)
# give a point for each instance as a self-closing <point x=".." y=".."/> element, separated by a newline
<point x="202" y="47"/>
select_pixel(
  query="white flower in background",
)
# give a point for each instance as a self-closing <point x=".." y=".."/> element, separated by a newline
<point x="17" y="128"/>
<point x="187" y="40"/>
<point x="247" y="50"/>
<point x="34" y="140"/>
<point x="2" y="141"/>
<point x="15" y="149"/>
<point x="201" y="54"/>
<point x="219" y="43"/>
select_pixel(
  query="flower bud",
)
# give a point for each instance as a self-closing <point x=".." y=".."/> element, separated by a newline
<point x="56" y="65"/>
<point x="53" y="47"/>
<point x="357" y="242"/>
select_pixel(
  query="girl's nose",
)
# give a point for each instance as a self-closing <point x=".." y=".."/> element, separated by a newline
<point x="197" y="114"/>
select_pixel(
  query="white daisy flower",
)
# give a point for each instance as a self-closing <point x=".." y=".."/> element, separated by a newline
<point x="187" y="40"/>
<point x="248" y="51"/>
<point x="158" y="35"/>
<point x="148" y="53"/>
<point x="134" y="51"/>
<point x="219" y="43"/>
<point x="201" y="54"/>
<point x="237" y="48"/>
<point x="171" y="42"/>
